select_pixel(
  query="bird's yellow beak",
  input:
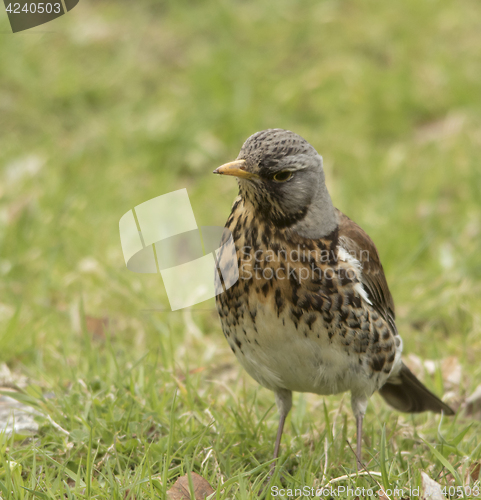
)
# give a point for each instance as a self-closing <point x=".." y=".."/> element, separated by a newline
<point x="236" y="168"/>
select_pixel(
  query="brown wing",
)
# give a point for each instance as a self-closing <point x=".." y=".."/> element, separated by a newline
<point x="403" y="390"/>
<point x="354" y="239"/>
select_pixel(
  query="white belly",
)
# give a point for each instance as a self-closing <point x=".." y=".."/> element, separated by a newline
<point x="285" y="358"/>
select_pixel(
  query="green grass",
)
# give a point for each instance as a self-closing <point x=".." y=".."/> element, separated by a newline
<point x="119" y="102"/>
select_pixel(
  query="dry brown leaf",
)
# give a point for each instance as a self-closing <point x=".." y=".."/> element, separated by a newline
<point x="431" y="490"/>
<point x="181" y="491"/>
<point x="382" y="495"/>
<point x="473" y="472"/>
<point x="97" y="326"/>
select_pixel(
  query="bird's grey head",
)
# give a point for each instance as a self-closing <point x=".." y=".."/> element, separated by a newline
<point x="281" y="176"/>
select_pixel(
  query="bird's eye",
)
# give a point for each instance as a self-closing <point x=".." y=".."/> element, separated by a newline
<point x="283" y="176"/>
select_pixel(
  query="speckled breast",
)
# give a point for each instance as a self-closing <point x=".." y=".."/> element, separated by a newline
<point x="294" y="318"/>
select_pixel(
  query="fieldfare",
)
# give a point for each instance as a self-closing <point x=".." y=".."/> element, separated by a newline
<point x="311" y="310"/>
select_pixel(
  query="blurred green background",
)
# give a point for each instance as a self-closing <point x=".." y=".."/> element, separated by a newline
<point x="118" y="102"/>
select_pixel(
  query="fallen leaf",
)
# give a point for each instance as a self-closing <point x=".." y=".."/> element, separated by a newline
<point x="431" y="490"/>
<point x="473" y="472"/>
<point x="181" y="491"/>
<point x="382" y="495"/>
<point x="96" y="326"/>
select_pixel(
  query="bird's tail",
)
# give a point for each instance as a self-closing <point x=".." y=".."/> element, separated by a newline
<point x="406" y="393"/>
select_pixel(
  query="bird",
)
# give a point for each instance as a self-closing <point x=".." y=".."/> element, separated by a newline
<point x="311" y="309"/>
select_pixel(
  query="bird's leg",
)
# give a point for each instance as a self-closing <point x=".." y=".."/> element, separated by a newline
<point x="280" y="428"/>
<point x="284" y="404"/>
<point x="359" y="406"/>
<point x="359" y="419"/>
